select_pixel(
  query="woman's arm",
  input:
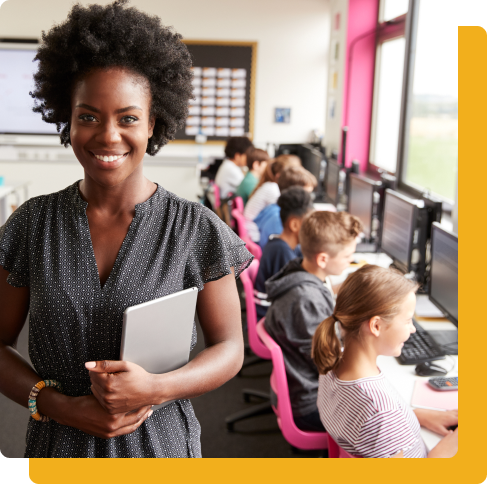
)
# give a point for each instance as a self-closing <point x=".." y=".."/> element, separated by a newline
<point x="447" y="447"/>
<point x="121" y="386"/>
<point x="17" y="377"/>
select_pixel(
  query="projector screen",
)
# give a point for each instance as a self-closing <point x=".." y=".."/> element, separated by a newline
<point x="16" y="80"/>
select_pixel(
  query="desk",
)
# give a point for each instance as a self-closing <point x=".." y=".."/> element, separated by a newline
<point x="403" y="378"/>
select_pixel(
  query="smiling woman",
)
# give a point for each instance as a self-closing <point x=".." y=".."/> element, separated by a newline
<point x="117" y="84"/>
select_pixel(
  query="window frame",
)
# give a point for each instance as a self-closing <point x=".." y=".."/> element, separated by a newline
<point x="386" y="31"/>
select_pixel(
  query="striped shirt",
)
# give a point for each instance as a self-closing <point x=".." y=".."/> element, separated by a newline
<point x="368" y="418"/>
<point x="265" y="195"/>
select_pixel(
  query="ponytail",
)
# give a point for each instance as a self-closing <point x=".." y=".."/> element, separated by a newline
<point x="368" y="292"/>
<point x="326" y="347"/>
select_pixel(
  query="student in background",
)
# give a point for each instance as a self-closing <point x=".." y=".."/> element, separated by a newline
<point x="294" y="203"/>
<point x="266" y="192"/>
<point x="359" y="408"/>
<point x="301" y="298"/>
<point x="256" y="163"/>
<point x="268" y="221"/>
<point x="230" y="174"/>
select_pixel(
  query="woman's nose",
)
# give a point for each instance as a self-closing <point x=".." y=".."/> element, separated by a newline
<point x="108" y="133"/>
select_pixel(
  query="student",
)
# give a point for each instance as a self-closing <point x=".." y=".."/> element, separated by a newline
<point x="256" y="163"/>
<point x="230" y="174"/>
<point x="266" y="192"/>
<point x="268" y="221"/>
<point x="301" y="297"/>
<point x="358" y="406"/>
<point x="294" y="203"/>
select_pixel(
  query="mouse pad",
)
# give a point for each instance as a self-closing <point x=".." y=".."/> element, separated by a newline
<point x="425" y="396"/>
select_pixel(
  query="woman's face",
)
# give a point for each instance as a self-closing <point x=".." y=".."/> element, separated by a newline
<point x="398" y="330"/>
<point x="110" y="124"/>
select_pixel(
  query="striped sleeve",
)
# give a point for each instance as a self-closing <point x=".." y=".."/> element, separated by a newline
<point x="385" y="435"/>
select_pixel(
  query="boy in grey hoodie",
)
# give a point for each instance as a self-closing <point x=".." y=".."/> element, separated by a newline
<point x="301" y="298"/>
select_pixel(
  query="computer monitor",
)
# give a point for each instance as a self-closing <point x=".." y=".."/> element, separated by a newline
<point x="398" y="226"/>
<point x="311" y="159"/>
<point x="444" y="271"/>
<point x="16" y="80"/>
<point x="361" y="201"/>
<point x="332" y="181"/>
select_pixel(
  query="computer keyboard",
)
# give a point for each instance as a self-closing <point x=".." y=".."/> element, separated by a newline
<point x="420" y="347"/>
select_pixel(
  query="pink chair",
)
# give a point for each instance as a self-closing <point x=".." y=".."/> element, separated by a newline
<point x="335" y="451"/>
<point x="260" y="350"/>
<point x="238" y="204"/>
<point x="252" y="247"/>
<point x="241" y="227"/>
<point x="298" y="438"/>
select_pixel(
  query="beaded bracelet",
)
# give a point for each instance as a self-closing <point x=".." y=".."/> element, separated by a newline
<point x="33" y="397"/>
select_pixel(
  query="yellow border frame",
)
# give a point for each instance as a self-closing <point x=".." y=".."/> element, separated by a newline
<point x="469" y="465"/>
<point x="253" y="67"/>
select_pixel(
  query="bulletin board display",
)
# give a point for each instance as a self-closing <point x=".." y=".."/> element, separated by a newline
<point x="224" y="90"/>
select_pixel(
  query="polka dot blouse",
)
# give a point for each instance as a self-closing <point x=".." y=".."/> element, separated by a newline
<point x="172" y="244"/>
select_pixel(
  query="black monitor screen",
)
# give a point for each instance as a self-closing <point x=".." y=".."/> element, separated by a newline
<point x="332" y="179"/>
<point x="311" y="160"/>
<point x="398" y="228"/>
<point x="444" y="272"/>
<point x="360" y="201"/>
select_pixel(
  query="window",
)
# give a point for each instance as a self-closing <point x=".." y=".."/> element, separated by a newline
<point x="429" y="154"/>
<point x="388" y="85"/>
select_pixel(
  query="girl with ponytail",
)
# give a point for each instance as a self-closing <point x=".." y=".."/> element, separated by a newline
<point x="358" y="407"/>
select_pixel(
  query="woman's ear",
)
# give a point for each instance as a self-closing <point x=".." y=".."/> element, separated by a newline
<point x="152" y="123"/>
<point x="374" y="326"/>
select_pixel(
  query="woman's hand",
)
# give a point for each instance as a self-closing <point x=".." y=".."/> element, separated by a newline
<point x="121" y="386"/>
<point x="437" y="421"/>
<point x="90" y="417"/>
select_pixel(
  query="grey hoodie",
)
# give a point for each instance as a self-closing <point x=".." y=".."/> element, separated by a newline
<point x="300" y="302"/>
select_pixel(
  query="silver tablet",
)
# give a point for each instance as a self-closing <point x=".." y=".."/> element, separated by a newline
<point x="156" y="335"/>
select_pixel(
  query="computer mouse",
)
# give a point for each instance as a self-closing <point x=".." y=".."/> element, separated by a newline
<point x="429" y="368"/>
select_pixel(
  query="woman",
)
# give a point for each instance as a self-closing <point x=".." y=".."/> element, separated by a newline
<point x="358" y="406"/>
<point x="117" y="85"/>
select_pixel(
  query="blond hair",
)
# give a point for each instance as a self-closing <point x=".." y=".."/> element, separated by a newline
<point x="296" y="176"/>
<point x="328" y="232"/>
<point x="368" y="292"/>
<point x="274" y="168"/>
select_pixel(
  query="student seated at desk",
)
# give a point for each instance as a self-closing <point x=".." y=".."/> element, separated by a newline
<point x="230" y="174"/>
<point x="301" y="298"/>
<point x="268" y="221"/>
<point x="266" y="192"/>
<point x="294" y="203"/>
<point x="358" y="406"/>
<point x="256" y="163"/>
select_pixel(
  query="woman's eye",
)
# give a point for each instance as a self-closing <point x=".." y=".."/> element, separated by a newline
<point x="87" y="117"/>
<point x="129" y="119"/>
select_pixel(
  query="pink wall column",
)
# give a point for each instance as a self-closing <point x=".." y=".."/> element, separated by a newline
<point x="359" y="80"/>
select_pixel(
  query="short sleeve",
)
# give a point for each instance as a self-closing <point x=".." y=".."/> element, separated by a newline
<point x="385" y="435"/>
<point x="14" y="245"/>
<point x="215" y="250"/>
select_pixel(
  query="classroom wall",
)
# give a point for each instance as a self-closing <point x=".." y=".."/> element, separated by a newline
<point x="292" y="38"/>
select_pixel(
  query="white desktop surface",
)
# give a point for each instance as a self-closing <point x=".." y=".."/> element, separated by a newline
<point x="403" y="378"/>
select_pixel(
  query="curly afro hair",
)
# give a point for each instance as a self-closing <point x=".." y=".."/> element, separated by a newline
<point x="98" y="36"/>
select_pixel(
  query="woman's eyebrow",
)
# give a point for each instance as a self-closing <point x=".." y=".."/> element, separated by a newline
<point x="118" y="111"/>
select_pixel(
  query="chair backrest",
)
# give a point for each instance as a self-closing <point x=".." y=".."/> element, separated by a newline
<point x="241" y="227"/>
<point x="238" y="204"/>
<point x="296" y="437"/>
<point x="255" y="343"/>
<point x="253" y="248"/>
<point x="335" y="451"/>
<point x="216" y="194"/>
